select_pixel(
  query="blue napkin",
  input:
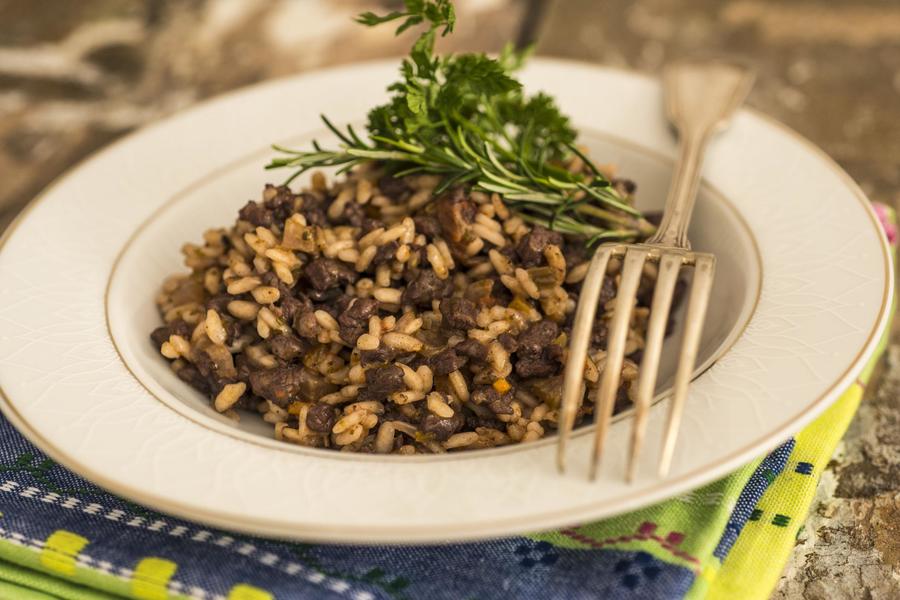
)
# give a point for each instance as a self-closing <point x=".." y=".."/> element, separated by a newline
<point x="61" y="536"/>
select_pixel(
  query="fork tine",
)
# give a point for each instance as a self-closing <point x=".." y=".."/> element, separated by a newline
<point x="615" y="353"/>
<point x="669" y="265"/>
<point x="704" y="271"/>
<point x="573" y="389"/>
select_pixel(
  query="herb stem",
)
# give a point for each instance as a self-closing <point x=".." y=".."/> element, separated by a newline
<point x="466" y="118"/>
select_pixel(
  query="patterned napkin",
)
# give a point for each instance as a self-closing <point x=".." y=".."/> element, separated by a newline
<point x="63" y="537"/>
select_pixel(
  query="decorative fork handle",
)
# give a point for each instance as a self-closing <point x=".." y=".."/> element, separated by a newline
<point x="700" y="99"/>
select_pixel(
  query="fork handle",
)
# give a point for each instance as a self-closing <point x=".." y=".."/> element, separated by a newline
<point x="700" y="98"/>
<point x="672" y="230"/>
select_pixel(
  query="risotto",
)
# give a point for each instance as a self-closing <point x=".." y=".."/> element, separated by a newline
<point x="373" y="315"/>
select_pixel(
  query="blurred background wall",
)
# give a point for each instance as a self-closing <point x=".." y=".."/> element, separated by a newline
<point x="77" y="74"/>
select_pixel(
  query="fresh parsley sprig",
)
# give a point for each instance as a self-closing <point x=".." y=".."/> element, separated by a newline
<point x="464" y="117"/>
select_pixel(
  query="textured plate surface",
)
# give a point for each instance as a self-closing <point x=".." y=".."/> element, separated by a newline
<point x="823" y="304"/>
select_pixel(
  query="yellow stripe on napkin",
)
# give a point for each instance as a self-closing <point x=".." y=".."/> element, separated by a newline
<point x="60" y="551"/>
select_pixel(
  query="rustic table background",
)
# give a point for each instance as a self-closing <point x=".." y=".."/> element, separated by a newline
<point x="76" y="74"/>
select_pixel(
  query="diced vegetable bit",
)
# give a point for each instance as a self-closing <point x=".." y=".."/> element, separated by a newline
<point x="502" y="386"/>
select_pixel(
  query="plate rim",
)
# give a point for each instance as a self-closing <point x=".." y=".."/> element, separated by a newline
<point x="663" y="488"/>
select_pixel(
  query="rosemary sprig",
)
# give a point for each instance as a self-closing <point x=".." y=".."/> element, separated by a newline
<point x="464" y="117"/>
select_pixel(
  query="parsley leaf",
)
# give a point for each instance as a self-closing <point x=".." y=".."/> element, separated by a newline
<point x="466" y="118"/>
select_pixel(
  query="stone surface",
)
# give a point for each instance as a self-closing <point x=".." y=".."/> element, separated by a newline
<point x="850" y="545"/>
<point x="76" y="75"/>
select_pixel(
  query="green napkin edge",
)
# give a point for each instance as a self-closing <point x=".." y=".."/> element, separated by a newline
<point x="21" y="568"/>
<point x="23" y="583"/>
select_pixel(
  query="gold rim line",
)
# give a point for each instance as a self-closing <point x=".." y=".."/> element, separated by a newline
<point x="548" y="519"/>
<point x="208" y="422"/>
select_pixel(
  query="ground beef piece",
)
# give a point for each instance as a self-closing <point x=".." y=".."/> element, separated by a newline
<point x="446" y="361"/>
<point x="353" y="215"/>
<point x="243" y="367"/>
<point x="607" y="290"/>
<point x="315" y="216"/>
<point x="413" y="360"/>
<point x="283" y="203"/>
<point x="455" y="212"/>
<point x="531" y="247"/>
<point x="424" y="288"/>
<point x="537" y="337"/>
<point x="547" y="390"/>
<point x="358" y="311"/>
<point x="233" y="329"/>
<point x="326" y="273"/>
<point x="509" y="252"/>
<point x="500" y="294"/>
<point x="427" y="226"/>
<point x="393" y="187"/>
<point x="622" y="400"/>
<point x="368" y="225"/>
<point x="178" y="327"/>
<point x="194" y="378"/>
<point x="554" y="352"/>
<point x="509" y="343"/>
<point x="385" y="252"/>
<point x="415" y="249"/>
<point x="256" y="214"/>
<point x="321" y="417"/>
<point x="220" y="362"/>
<point x="459" y="313"/>
<point x="382" y="354"/>
<point x="472" y="348"/>
<point x="219" y="303"/>
<point x="441" y="428"/>
<point x="207" y="368"/>
<point x="483" y="394"/>
<point x="678" y="294"/>
<point x="393" y="412"/>
<point x="342" y="304"/>
<point x="499" y="404"/>
<point x="331" y="307"/>
<point x="326" y="298"/>
<point x="281" y="385"/>
<point x="384" y="381"/>
<point x="474" y="421"/>
<point x="637" y="356"/>
<point x="287" y="347"/>
<point x="625" y="187"/>
<point x="354" y="320"/>
<point x="599" y="335"/>
<point x="528" y="366"/>
<point x="670" y="327"/>
<point x="654" y="217"/>
<point x="313" y="386"/>
<point x="292" y="306"/>
<point x="271" y="279"/>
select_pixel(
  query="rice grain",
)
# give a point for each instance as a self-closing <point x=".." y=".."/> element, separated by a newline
<point x="229" y="396"/>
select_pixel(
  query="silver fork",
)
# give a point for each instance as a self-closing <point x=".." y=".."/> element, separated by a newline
<point x="700" y="98"/>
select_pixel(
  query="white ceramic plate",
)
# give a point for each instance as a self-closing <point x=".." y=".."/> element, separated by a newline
<point x="801" y="299"/>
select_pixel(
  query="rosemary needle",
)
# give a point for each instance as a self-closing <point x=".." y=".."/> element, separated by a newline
<point x="465" y="118"/>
